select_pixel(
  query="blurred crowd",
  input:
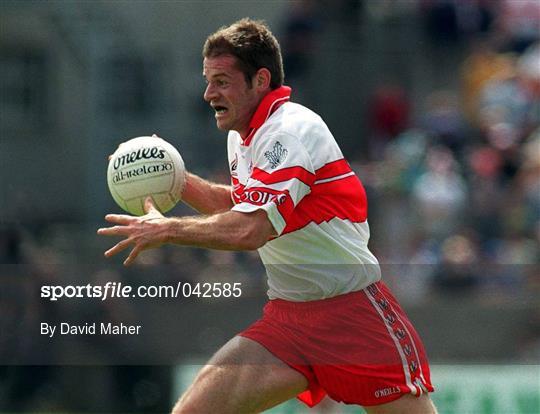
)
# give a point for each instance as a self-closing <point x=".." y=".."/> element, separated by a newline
<point x="463" y="175"/>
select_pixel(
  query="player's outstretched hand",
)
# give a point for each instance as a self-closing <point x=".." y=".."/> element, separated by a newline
<point x="144" y="232"/>
<point x="110" y="155"/>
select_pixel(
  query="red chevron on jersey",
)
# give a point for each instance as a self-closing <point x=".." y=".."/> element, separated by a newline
<point x="338" y="193"/>
<point x="344" y="198"/>
<point x="300" y="173"/>
<point x="333" y="169"/>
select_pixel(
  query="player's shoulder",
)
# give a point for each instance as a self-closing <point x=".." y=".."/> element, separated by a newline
<point x="293" y="114"/>
<point x="297" y="121"/>
<point x="298" y="129"/>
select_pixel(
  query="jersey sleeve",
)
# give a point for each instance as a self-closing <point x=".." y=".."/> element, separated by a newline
<point x="281" y="175"/>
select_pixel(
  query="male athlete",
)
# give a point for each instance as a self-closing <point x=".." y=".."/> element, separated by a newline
<point x="331" y="326"/>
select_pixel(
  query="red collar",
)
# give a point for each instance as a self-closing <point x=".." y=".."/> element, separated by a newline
<point x="272" y="101"/>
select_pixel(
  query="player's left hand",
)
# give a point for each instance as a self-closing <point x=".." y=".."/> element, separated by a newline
<point x="144" y="232"/>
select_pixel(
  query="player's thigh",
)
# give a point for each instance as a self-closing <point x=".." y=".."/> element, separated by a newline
<point x="408" y="404"/>
<point x="242" y="377"/>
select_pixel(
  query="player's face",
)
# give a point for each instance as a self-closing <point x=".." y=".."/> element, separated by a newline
<point x="228" y="93"/>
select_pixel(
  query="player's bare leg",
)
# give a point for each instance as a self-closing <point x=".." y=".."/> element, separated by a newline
<point x="408" y="404"/>
<point x="242" y="377"/>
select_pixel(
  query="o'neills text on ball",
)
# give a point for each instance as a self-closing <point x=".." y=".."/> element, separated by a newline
<point x="143" y="153"/>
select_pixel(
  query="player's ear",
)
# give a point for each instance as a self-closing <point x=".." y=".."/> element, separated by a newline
<point x="262" y="79"/>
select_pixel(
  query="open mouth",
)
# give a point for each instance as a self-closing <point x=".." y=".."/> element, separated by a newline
<point x="220" y="110"/>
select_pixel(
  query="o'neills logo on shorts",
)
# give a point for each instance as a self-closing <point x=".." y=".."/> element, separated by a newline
<point x="142" y="171"/>
<point x="386" y="391"/>
<point x="143" y="153"/>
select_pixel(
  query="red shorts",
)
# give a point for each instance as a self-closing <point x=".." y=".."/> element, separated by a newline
<point x="359" y="348"/>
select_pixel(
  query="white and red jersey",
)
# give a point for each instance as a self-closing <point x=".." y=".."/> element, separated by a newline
<point x="291" y="166"/>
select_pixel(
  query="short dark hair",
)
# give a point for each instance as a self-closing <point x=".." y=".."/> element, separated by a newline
<point x="254" y="46"/>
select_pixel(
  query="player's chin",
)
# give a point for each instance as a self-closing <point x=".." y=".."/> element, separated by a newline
<point x="223" y="125"/>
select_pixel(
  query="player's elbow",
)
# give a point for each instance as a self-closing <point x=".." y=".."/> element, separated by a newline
<point x="253" y="230"/>
<point x="253" y="238"/>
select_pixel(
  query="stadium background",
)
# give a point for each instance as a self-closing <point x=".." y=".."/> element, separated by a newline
<point x="436" y="103"/>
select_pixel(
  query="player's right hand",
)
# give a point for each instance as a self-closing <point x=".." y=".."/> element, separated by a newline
<point x="144" y="232"/>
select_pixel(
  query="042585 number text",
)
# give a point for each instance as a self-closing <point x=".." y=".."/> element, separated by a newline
<point x="211" y="290"/>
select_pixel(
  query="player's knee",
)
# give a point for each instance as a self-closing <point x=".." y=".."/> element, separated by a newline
<point x="186" y="404"/>
<point x="179" y="409"/>
<point x="193" y="401"/>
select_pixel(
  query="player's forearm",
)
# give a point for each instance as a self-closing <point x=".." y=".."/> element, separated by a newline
<point x="226" y="231"/>
<point x="206" y="197"/>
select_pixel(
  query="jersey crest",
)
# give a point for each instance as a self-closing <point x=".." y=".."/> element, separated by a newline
<point x="277" y="155"/>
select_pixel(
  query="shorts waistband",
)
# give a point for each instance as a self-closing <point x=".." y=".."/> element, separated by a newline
<point x="316" y="304"/>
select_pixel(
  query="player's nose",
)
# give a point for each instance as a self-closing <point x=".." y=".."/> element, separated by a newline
<point x="210" y="93"/>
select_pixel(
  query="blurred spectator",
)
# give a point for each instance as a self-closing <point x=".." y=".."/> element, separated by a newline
<point x="440" y="193"/>
<point x="484" y="171"/>
<point x="528" y="67"/>
<point x="440" y="20"/>
<point x="457" y="273"/>
<point x="476" y="17"/>
<point x="444" y="120"/>
<point x="482" y="64"/>
<point x="504" y="109"/>
<point x="450" y="20"/>
<point x="389" y="111"/>
<point x="413" y="281"/>
<point x="402" y="163"/>
<point x="519" y="24"/>
<point x="301" y="25"/>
